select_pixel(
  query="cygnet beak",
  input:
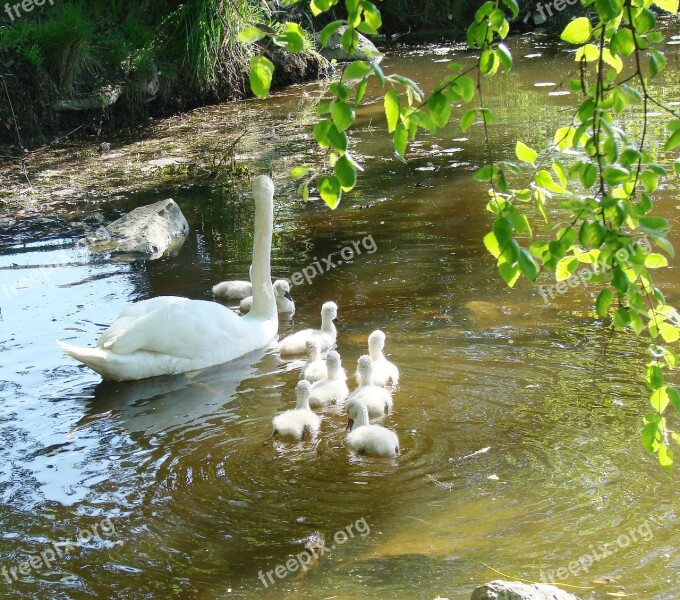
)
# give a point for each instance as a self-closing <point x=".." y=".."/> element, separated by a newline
<point x="350" y="424"/>
<point x="288" y="296"/>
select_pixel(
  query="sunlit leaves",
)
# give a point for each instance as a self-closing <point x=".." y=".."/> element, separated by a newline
<point x="670" y="6"/>
<point x="525" y="153"/>
<point x="392" y="106"/>
<point x="604" y="300"/>
<point x="342" y="114"/>
<point x="578" y="31"/>
<point x="330" y="191"/>
<point x="261" y="73"/>
<point x="357" y="70"/>
<point x="250" y="35"/>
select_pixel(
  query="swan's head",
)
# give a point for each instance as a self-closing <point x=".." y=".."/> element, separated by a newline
<point x="329" y="312"/>
<point x="313" y="348"/>
<point x="333" y="363"/>
<point x="302" y="391"/>
<point x="365" y="369"/>
<point x="263" y="190"/>
<point x="282" y="289"/>
<point x="357" y="414"/>
<point x="376" y="341"/>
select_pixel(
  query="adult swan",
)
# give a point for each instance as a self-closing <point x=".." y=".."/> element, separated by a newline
<point x="169" y="334"/>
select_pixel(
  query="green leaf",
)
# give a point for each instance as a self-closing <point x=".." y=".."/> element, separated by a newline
<point x="292" y="38"/>
<point x="514" y="7"/>
<point x="659" y="399"/>
<point x="465" y="87"/>
<point x="400" y="140"/>
<point x="673" y="141"/>
<point x="261" y="72"/>
<point x="655" y="261"/>
<point x="525" y="153"/>
<point x="342" y="115"/>
<point x="669" y="333"/>
<point x="357" y="70"/>
<point x="528" y="265"/>
<point x="578" y="31"/>
<point x="440" y="109"/>
<point x="673" y="397"/>
<point x="509" y="272"/>
<point x="604" y="299"/>
<point x="468" y="119"/>
<point x="657" y="61"/>
<point x="544" y="179"/>
<point x="644" y="21"/>
<point x="298" y="172"/>
<point x="346" y="172"/>
<point x="391" y="102"/>
<point x="503" y="54"/>
<point x="350" y="41"/>
<point x="250" y="35"/>
<point x="330" y="191"/>
<point x="670" y="6"/>
<point x="665" y="455"/>
<point x="654" y="377"/>
<point x="492" y="245"/>
<point x="329" y="30"/>
<point x="608" y="9"/>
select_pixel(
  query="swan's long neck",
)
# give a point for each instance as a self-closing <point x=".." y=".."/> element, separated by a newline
<point x="376" y="352"/>
<point x="264" y="303"/>
<point x="366" y="375"/>
<point x="302" y="399"/>
<point x="327" y="325"/>
<point x="362" y="417"/>
<point x="333" y="370"/>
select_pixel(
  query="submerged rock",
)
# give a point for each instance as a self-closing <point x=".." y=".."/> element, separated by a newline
<point x="514" y="590"/>
<point x="154" y="230"/>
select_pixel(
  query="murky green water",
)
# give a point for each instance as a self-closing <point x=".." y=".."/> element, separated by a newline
<point x="520" y="437"/>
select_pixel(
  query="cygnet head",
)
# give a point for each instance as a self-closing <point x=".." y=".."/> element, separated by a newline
<point x="329" y="312"/>
<point x="302" y="391"/>
<point x="333" y="364"/>
<point x="282" y="289"/>
<point x="365" y="369"/>
<point x="376" y="343"/>
<point x="313" y="348"/>
<point x="357" y="414"/>
<point x="263" y="190"/>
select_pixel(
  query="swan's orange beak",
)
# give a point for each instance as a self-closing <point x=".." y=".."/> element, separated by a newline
<point x="350" y="424"/>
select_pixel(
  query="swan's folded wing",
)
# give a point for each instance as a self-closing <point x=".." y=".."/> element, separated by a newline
<point x="185" y="329"/>
<point x="130" y="314"/>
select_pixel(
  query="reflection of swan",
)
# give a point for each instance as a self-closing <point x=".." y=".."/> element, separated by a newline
<point x="315" y="368"/>
<point x="284" y="301"/>
<point x="377" y="399"/>
<point x="384" y="371"/>
<point x="296" y="343"/>
<point x="169" y="335"/>
<point x="296" y="423"/>
<point x="371" y="440"/>
<point x="332" y="390"/>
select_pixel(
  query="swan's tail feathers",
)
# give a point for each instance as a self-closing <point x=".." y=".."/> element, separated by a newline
<point x="95" y="358"/>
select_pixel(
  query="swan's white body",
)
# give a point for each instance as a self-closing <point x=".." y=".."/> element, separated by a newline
<point x="170" y="335"/>
<point x="384" y="372"/>
<point x="295" y="424"/>
<point x="315" y="368"/>
<point x="332" y="390"/>
<point x="232" y="290"/>
<point x="296" y="343"/>
<point x="284" y="301"/>
<point x="366" y="439"/>
<point x="377" y="399"/>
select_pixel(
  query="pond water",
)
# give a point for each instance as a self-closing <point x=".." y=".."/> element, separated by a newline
<point x="520" y="435"/>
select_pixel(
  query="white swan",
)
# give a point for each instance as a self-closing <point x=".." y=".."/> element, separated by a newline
<point x="295" y="424"/>
<point x="367" y="439"/>
<point x="377" y="399"/>
<point x="315" y="368"/>
<point x="296" y="343"/>
<point x="284" y="301"/>
<point x="169" y="335"/>
<point x="332" y="390"/>
<point x="384" y="372"/>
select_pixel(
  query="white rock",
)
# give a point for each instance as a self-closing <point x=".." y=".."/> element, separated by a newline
<point x="514" y="590"/>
